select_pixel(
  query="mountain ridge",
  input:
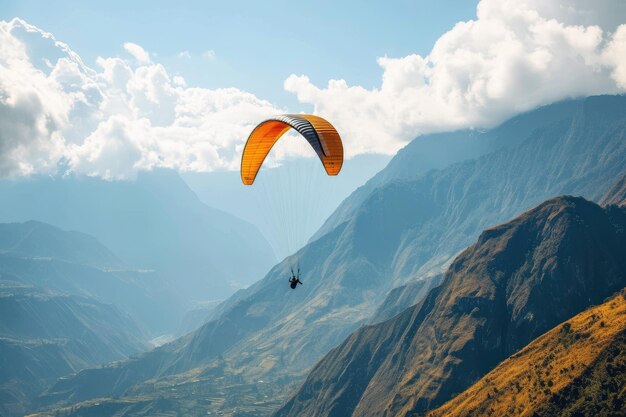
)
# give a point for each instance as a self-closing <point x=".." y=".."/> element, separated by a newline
<point x="432" y="152"/>
<point x="490" y="304"/>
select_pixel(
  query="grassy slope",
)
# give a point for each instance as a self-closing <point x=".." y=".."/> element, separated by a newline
<point x="577" y="368"/>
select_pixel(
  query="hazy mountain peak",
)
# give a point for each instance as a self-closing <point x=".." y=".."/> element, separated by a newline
<point x="41" y="240"/>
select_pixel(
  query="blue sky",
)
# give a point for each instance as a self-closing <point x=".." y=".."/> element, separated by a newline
<point x="257" y="45"/>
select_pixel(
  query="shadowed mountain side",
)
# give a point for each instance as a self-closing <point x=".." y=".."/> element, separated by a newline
<point x="441" y="150"/>
<point x="27" y="313"/>
<point x="576" y="369"/>
<point x="41" y="255"/>
<point x="405" y="295"/>
<point x="517" y="281"/>
<point x="155" y="222"/>
<point x="574" y="156"/>
<point x="28" y="366"/>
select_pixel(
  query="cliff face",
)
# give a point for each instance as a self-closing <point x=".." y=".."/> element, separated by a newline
<point x="577" y="368"/>
<point x="517" y="281"/>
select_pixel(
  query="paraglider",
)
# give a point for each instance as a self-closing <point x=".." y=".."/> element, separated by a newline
<point x="294" y="280"/>
<point x="321" y="136"/>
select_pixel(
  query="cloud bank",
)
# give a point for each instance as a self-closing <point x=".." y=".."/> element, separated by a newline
<point x="515" y="56"/>
<point x="129" y="114"/>
<point x="126" y="115"/>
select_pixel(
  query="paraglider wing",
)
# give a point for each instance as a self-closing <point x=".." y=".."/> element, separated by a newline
<point x="320" y="134"/>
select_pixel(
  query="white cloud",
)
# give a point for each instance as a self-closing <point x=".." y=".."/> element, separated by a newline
<point x="33" y="110"/>
<point x="515" y="56"/>
<point x="113" y="120"/>
<point x="184" y="55"/>
<point x="210" y="55"/>
<point x="179" y="81"/>
<point x="140" y="54"/>
<point x="615" y="54"/>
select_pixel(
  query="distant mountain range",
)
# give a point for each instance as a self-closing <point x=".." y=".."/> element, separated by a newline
<point x="397" y="232"/>
<point x="66" y="305"/>
<point x="44" y="335"/>
<point x="48" y="258"/>
<point x="153" y="223"/>
<point x="516" y="282"/>
<point x="37" y="240"/>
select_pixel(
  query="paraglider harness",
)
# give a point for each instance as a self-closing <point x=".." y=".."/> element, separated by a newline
<point x="295" y="279"/>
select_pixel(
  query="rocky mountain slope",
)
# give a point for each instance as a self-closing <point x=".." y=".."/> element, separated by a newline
<point x="517" y="281"/>
<point x="577" y="368"/>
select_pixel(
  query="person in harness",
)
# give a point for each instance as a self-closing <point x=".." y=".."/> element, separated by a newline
<point x="295" y="279"/>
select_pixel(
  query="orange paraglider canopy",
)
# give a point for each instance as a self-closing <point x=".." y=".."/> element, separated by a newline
<point x="320" y="134"/>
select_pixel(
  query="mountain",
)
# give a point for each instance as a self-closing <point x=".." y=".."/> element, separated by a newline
<point x="441" y="150"/>
<point x="40" y="240"/>
<point x="28" y="313"/>
<point x="517" y="281"/>
<point x="155" y="222"/>
<point x="44" y="335"/>
<point x="405" y="230"/>
<point x="571" y="155"/>
<point x="48" y="258"/>
<point x="576" y="369"/>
